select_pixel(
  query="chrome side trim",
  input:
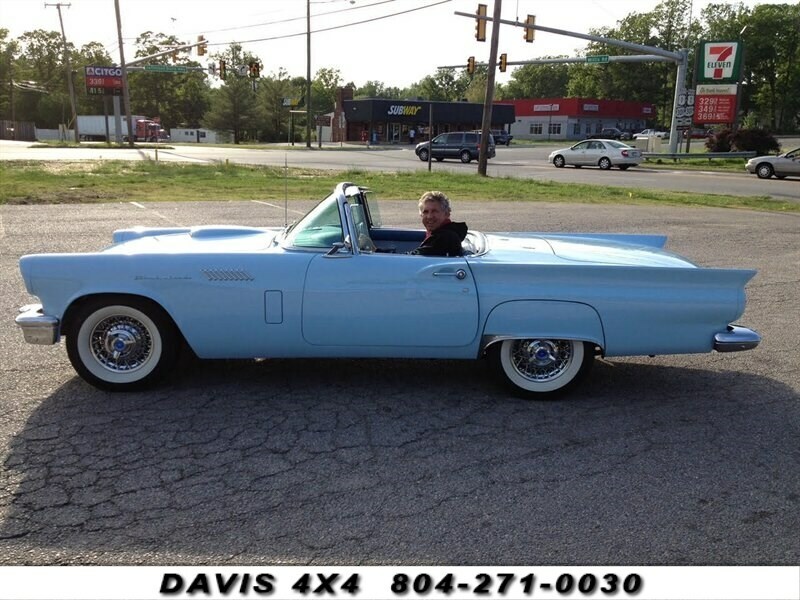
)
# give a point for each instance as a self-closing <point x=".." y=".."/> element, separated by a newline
<point x="37" y="327"/>
<point x="736" y="339"/>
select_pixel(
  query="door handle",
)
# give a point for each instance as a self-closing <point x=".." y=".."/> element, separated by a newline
<point x="460" y="274"/>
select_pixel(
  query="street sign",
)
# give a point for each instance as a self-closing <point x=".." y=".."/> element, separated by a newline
<point x="600" y="58"/>
<point x="166" y="68"/>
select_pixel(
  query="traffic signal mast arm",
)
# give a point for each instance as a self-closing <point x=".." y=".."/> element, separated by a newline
<point x="674" y="56"/>
<point x="139" y="61"/>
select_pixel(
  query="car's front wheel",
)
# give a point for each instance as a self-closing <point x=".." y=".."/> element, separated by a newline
<point x="604" y="163"/>
<point x="465" y="156"/>
<point x="764" y="171"/>
<point x="423" y="155"/>
<point x="559" y="161"/>
<point x="541" y="368"/>
<point x="120" y="343"/>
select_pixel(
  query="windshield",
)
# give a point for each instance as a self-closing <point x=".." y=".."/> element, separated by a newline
<point x="320" y="228"/>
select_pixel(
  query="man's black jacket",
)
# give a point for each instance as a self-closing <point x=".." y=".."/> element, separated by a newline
<point x="444" y="241"/>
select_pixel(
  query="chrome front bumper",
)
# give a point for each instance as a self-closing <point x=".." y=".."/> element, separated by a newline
<point x="37" y="327"/>
<point x="736" y="339"/>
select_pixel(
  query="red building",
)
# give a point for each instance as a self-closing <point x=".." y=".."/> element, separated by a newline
<point x="576" y="118"/>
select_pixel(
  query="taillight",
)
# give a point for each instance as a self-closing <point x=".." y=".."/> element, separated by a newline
<point x="624" y="153"/>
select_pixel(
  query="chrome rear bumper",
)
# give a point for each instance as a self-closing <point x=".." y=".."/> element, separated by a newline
<point x="736" y="339"/>
<point x="37" y="327"/>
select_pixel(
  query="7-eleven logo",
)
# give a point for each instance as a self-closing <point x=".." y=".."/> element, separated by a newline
<point x="719" y="60"/>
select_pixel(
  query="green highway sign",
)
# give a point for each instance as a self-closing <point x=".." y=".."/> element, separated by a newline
<point x="166" y="69"/>
<point x="600" y="58"/>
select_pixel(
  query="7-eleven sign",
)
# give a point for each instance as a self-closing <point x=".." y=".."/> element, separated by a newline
<point x="719" y="62"/>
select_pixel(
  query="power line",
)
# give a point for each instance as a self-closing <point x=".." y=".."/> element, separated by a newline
<point x="291" y="19"/>
<point x="354" y="23"/>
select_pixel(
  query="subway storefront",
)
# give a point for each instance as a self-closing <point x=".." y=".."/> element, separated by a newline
<point x="380" y="121"/>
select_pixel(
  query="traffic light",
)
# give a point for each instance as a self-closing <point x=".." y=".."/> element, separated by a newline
<point x="480" y="24"/>
<point x="503" y="62"/>
<point x="471" y="65"/>
<point x="529" y="33"/>
<point x="201" y="49"/>
<point x="223" y="72"/>
<point x="255" y="69"/>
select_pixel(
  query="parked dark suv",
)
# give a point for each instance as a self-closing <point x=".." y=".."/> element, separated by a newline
<point x="464" y="145"/>
<point x="611" y="133"/>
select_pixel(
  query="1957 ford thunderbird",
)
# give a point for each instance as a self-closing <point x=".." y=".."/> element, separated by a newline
<point x="338" y="283"/>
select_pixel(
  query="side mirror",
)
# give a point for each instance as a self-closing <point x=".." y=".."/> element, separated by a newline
<point x="336" y="247"/>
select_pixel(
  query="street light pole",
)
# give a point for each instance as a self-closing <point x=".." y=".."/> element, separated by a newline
<point x="308" y="73"/>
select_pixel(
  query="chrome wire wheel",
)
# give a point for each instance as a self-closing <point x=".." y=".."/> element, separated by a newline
<point x="541" y="367"/>
<point x="121" y="345"/>
<point x="541" y="360"/>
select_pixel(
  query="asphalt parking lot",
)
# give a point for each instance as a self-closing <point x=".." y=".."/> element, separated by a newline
<point x="668" y="460"/>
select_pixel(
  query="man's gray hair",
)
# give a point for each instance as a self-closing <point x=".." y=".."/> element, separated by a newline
<point x="434" y="196"/>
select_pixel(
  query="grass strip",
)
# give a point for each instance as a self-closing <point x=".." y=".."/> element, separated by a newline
<point x="61" y="182"/>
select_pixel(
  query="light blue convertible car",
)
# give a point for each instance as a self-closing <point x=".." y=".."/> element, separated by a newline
<point x="338" y="283"/>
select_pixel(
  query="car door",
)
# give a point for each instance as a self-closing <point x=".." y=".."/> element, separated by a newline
<point x="438" y="146"/>
<point x="789" y="164"/>
<point x="453" y="144"/>
<point x="577" y="154"/>
<point x="594" y="152"/>
<point x="389" y="300"/>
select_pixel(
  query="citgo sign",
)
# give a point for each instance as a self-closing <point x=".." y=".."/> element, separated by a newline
<point x="102" y="81"/>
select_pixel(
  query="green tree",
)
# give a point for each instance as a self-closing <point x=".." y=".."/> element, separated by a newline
<point x="273" y="116"/>
<point x="233" y="106"/>
<point x="178" y="99"/>
<point x="377" y="89"/>
<point x="9" y="54"/>
<point x="445" y="85"/>
<point x="536" y="81"/>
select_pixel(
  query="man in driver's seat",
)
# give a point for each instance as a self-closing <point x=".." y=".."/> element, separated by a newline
<point x="443" y="236"/>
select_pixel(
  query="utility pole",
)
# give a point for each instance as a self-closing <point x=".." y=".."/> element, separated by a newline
<point x="486" y="124"/>
<point x="308" y="73"/>
<point x="126" y="96"/>
<point x="68" y="64"/>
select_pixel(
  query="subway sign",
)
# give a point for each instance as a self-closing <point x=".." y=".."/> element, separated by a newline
<point x="404" y="110"/>
<point x="719" y="62"/>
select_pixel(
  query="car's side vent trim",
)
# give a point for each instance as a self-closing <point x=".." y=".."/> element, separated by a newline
<point x="227" y="275"/>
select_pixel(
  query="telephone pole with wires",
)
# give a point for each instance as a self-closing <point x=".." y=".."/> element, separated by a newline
<point x="68" y="64"/>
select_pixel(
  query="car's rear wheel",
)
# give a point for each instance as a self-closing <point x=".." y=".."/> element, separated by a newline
<point x="541" y="368"/>
<point x="120" y="343"/>
<point x="423" y="155"/>
<point x="623" y="167"/>
<point x="559" y="161"/>
<point x="764" y="170"/>
<point x="604" y="163"/>
<point x="465" y="156"/>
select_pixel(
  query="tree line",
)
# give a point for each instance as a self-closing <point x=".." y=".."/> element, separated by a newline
<point x="33" y="83"/>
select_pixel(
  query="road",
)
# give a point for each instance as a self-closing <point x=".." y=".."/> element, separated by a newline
<point x="525" y="162"/>
<point x="667" y="460"/>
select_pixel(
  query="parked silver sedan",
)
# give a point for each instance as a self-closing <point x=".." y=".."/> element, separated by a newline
<point x="602" y="153"/>
<point x="783" y="165"/>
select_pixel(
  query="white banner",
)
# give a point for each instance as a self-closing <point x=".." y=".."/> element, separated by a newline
<point x="405" y="582"/>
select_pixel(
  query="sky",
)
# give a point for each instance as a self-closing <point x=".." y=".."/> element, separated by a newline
<point x="397" y="42"/>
